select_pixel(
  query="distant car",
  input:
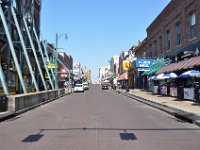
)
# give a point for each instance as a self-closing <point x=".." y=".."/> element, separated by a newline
<point x="86" y="86"/>
<point x="79" y="88"/>
<point x="104" y="86"/>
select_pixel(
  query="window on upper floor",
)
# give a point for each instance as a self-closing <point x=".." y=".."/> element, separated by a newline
<point x="155" y="48"/>
<point x="161" y="46"/>
<point x="168" y="41"/>
<point x="178" y="33"/>
<point x="192" y="25"/>
<point x="150" y="53"/>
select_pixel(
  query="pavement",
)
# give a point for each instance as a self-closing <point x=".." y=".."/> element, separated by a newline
<point x="186" y="109"/>
<point x="183" y="108"/>
<point x="97" y="120"/>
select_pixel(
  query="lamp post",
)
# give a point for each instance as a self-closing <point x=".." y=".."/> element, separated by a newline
<point x="56" y="57"/>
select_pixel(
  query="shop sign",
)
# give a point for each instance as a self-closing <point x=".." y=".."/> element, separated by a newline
<point x="173" y="92"/>
<point x="77" y="68"/>
<point x="155" y="89"/>
<point x="163" y="90"/>
<point x="126" y="65"/>
<point x="64" y="72"/>
<point x="143" y="69"/>
<point x="187" y="54"/>
<point x="189" y="93"/>
<point x="52" y="66"/>
<point x="143" y="63"/>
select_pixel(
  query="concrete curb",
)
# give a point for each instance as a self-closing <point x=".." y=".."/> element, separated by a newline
<point x="180" y="114"/>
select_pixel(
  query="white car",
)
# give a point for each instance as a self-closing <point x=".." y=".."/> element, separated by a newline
<point x="86" y="86"/>
<point x="79" y="88"/>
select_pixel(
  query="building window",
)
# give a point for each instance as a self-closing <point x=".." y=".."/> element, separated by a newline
<point x="168" y="40"/>
<point x="161" y="47"/>
<point x="192" y="25"/>
<point x="155" y="48"/>
<point x="178" y="33"/>
<point x="150" y="47"/>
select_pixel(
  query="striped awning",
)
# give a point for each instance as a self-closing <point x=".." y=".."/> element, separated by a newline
<point x="185" y="64"/>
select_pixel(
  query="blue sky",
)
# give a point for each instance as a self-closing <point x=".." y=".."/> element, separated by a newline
<point x="98" y="29"/>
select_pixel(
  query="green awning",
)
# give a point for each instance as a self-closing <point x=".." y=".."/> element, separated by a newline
<point x="153" y="71"/>
<point x="144" y="73"/>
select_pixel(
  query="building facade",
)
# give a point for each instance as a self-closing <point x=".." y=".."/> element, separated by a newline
<point x="102" y="73"/>
<point x="175" y="30"/>
<point x="64" y="68"/>
<point x="114" y="65"/>
<point x="86" y="75"/>
<point x="175" y="36"/>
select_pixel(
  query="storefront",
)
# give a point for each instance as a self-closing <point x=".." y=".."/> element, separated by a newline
<point x="123" y="80"/>
<point x="142" y="65"/>
<point x="186" y="86"/>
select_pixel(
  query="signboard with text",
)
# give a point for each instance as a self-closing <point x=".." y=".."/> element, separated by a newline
<point x="143" y="63"/>
<point x="143" y="69"/>
<point x="126" y="64"/>
<point x="52" y="66"/>
<point x="64" y="72"/>
<point x="77" y="68"/>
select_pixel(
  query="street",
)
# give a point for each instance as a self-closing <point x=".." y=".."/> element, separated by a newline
<point x="97" y="120"/>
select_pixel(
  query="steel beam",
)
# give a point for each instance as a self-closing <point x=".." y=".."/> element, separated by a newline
<point x="24" y="49"/>
<point x="40" y="49"/>
<point x="48" y="60"/>
<point x="12" y="49"/>
<point x="34" y="52"/>
<point x="3" y="82"/>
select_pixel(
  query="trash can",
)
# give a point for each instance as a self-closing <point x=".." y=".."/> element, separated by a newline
<point x="3" y="102"/>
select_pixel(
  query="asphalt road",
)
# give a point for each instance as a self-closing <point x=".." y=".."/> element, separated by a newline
<point x="97" y="120"/>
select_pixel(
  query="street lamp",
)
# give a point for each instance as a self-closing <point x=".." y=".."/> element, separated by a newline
<point x="56" y="57"/>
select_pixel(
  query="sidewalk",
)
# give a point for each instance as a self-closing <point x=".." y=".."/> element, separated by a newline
<point x="184" y="105"/>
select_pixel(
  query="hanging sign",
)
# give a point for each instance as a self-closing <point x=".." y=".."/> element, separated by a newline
<point x="126" y="64"/>
<point x="52" y="66"/>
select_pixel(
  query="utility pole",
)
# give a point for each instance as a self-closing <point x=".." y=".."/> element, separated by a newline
<point x="56" y="63"/>
<point x="56" y="58"/>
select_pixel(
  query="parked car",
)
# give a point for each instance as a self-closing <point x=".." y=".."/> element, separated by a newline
<point x="79" y="88"/>
<point x="86" y="86"/>
<point x="104" y="86"/>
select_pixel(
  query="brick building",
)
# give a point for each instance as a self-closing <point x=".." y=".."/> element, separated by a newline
<point x="175" y="30"/>
<point x="173" y="35"/>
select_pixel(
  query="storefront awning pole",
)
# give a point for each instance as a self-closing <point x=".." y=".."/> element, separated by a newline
<point x="34" y="52"/>
<point x="8" y="35"/>
<point x="41" y="52"/>
<point x="24" y="48"/>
